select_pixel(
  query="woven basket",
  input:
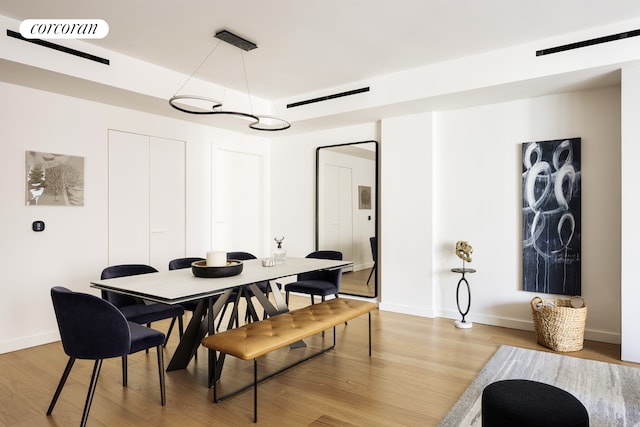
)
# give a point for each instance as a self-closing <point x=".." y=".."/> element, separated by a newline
<point x="559" y="327"/>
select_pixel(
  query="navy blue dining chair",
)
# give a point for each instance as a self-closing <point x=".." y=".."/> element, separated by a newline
<point x="136" y="309"/>
<point x="94" y="329"/>
<point x="318" y="283"/>
<point x="178" y="264"/>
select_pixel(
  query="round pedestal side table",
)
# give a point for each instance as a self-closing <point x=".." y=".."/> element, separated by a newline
<point x="463" y="323"/>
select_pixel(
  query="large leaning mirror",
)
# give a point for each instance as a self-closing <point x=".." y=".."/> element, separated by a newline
<point x="347" y="210"/>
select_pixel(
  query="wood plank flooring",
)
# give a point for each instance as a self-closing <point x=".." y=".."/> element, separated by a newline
<point x="355" y="282"/>
<point x="418" y="369"/>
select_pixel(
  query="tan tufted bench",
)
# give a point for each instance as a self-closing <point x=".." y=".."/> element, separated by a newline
<point x="259" y="338"/>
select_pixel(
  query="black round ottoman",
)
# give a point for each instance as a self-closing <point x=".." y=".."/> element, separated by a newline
<point x="525" y="403"/>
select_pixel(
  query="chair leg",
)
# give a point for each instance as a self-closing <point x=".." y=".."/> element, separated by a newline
<point x="125" y="375"/>
<point x="92" y="389"/>
<point x="255" y="390"/>
<point x="163" y="397"/>
<point x="266" y="294"/>
<point x="312" y="302"/>
<point x="180" y="327"/>
<point x="148" y="326"/>
<point x="371" y="274"/>
<point x="63" y="380"/>
<point x="287" y="297"/>
<point x="173" y="322"/>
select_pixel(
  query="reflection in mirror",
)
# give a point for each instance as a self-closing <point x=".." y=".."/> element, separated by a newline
<point x="347" y="210"/>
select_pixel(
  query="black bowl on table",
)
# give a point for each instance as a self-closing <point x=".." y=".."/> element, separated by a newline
<point x="200" y="269"/>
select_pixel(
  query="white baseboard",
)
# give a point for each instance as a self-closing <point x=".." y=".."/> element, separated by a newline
<point x="504" y="322"/>
<point x="407" y="309"/>
<point x="26" y="342"/>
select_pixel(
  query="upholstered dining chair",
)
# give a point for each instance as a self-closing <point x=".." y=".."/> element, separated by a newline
<point x="178" y="264"/>
<point x="318" y="283"/>
<point x="135" y="309"/>
<point x="94" y="329"/>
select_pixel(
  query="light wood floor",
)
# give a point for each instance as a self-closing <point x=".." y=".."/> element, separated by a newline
<point x="418" y="370"/>
<point x="355" y="282"/>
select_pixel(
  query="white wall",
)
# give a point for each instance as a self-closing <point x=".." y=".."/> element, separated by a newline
<point x="630" y="203"/>
<point x="406" y="174"/>
<point x="73" y="248"/>
<point x="477" y="197"/>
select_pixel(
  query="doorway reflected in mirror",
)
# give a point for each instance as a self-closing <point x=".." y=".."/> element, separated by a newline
<point x="347" y="211"/>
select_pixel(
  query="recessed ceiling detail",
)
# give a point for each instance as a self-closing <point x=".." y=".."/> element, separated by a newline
<point x="590" y="42"/>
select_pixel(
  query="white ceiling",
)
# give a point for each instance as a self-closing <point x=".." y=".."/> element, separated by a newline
<point x="306" y="46"/>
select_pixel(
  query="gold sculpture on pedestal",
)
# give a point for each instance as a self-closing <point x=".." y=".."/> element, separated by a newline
<point x="464" y="250"/>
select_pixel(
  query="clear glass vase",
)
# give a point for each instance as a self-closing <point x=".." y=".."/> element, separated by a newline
<point x="279" y="253"/>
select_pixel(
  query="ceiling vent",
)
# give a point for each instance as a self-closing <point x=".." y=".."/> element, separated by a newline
<point x="74" y="52"/>
<point x="328" y="97"/>
<point x="591" y="42"/>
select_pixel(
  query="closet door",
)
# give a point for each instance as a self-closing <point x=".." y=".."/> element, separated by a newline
<point x="167" y="201"/>
<point x="146" y="199"/>
<point x="128" y="198"/>
<point x="238" y="202"/>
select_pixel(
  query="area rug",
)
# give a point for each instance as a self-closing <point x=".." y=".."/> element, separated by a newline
<point x="611" y="393"/>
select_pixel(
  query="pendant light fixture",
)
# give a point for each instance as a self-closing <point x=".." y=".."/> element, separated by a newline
<point x="196" y="104"/>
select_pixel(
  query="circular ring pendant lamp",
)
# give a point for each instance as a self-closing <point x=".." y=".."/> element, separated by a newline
<point x="196" y="104"/>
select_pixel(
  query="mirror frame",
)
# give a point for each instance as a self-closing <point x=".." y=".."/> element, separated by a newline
<point x="375" y="208"/>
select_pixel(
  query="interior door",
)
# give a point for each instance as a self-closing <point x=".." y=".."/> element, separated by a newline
<point x="338" y="209"/>
<point x="128" y="198"/>
<point x="167" y="201"/>
<point x="146" y="199"/>
<point x="238" y="202"/>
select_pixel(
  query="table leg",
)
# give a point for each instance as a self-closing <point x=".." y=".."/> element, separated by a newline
<point x="194" y="333"/>
<point x="281" y="305"/>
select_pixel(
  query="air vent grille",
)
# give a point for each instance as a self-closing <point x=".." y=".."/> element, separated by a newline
<point x="590" y="42"/>
<point x="328" y="97"/>
<point x="40" y="42"/>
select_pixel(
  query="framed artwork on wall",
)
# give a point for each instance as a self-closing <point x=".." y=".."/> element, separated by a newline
<point x="364" y="197"/>
<point x="551" y="216"/>
<point x="54" y="179"/>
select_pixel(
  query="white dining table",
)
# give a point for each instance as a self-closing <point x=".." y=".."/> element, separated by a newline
<point x="178" y="286"/>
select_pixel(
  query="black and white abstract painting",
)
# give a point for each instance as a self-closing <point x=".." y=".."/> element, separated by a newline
<point x="551" y="226"/>
<point x="54" y="179"/>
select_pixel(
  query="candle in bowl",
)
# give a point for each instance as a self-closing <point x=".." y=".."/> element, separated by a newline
<point x="216" y="259"/>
